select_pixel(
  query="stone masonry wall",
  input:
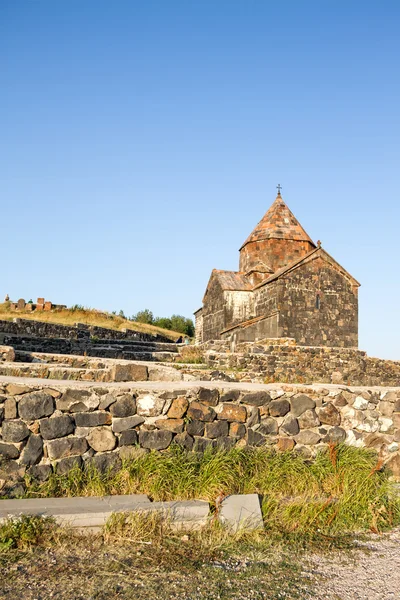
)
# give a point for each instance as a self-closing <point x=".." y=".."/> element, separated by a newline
<point x="45" y="429"/>
<point x="80" y="331"/>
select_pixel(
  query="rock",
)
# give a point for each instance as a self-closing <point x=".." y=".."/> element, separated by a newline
<point x="300" y="403"/>
<point x="308" y="420"/>
<point x="240" y="512"/>
<point x="178" y="408"/>
<point x="56" y="427"/>
<point x="336" y="435"/>
<point x="125" y="406"/>
<point x="14" y="431"/>
<point x="93" y="419"/>
<point x="268" y="427"/>
<point x="285" y="444"/>
<point x="360" y="403"/>
<point x="185" y="440"/>
<point x="67" y="464"/>
<point x="119" y="425"/>
<point x="224" y="443"/>
<point x="396" y="406"/>
<point x="106" y="401"/>
<point x="201" y="412"/>
<point x="337" y="377"/>
<point x="14" y="389"/>
<point x="33" y="451"/>
<point x="129" y="372"/>
<point x="237" y="430"/>
<point x="105" y="463"/>
<point x="393" y="465"/>
<point x="329" y="414"/>
<point x="149" y="405"/>
<point x="256" y="399"/>
<point x="276" y="394"/>
<point x="279" y="408"/>
<point x="375" y="440"/>
<point x="10" y="470"/>
<point x="307" y="437"/>
<point x="385" y="424"/>
<point x="102" y="439"/>
<point x="195" y="427"/>
<point x="354" y="438"/>
<point x="254" y="438"/>
<point x="393" y="447"/>
<point x="35" y="406"/>
<point x="230" y="396"/>
<point x="290" y="425"/>
<point x="386" y="408"/>
<point x="253" y="417"/>
<point x="174" y="425"/>
<point x="128" y="438"/>
<point x="217" y="429"/>
<point x="10" y="408"/>
<point x="201" y="444"/>
<point x="8" y="451"/>
<point x="209" y="397"/>
<point x="155" y="440"/>
<point x="66" y="447"/>
<point x="231" y="412"/>
<point x="76" y="400"/>
<point x="340" y="401"/>
<point x="40" y="472"/>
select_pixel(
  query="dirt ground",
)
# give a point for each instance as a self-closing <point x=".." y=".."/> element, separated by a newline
<point x="88" y="569"/>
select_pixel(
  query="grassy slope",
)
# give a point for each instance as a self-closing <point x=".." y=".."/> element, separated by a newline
<point x="90" y="316"/>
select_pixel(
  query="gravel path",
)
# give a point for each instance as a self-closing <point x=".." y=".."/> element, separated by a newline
<point x="370" y="573"/>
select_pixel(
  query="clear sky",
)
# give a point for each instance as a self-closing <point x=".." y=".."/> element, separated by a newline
<point x="141" y="142"/>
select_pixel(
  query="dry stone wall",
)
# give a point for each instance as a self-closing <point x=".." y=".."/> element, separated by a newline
<point x="45" y="429"/>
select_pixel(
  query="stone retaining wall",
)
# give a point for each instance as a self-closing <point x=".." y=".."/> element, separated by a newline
<point x="303" y="364"/>
<point x="79" y="331"/>
<point x="46" y="428"/>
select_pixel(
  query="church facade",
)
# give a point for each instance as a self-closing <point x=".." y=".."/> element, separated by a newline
<point x="286" y="287"/>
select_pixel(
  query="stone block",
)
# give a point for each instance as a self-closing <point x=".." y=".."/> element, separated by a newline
<point x="33" y="451"/>
<point x="125" y="406"/>
<point x="307" y="437"/>
<point x="290" y="425"/>
<point x="14" y="431"/>
<point x="178" y="408"/>
<point x="149" y="405"/>
<point x="48" y="306"/>
<point x="15" y="389"/>
<point x="21" y="304"/>
<point x="268" y="426"/>
<point x="129" y="372"/>
<point x="237" y="430"/>
<point x="8" y="451"/>
<point x="63" y="466"/>
<point x="201" y="444"/>
<point x="123" y="424"/>
<point x="256" y="399"/>
<point x="231" y="412"/>
<point x="102" y="439"/>
<point x="285" y="444"/>
<point x="65" y="447"/>
<point x="56" y="427"/>
<point x="230" y="396"/>
<point x="216" y="429"/>
<point x="155" y="440"/>
<point x="10" y="408"/>
<point x="185" y="440"/>
<point x="40" y="472"/>
<point x="329" y="415"/>
<point x="93" y="419"/>
<point x="201" y="412"/>
<point x="279" y="407"/>
<point x="253" y="438"/>
<point x="195" y="427"/>
<point x="336" y="435"/>
<point x="253" y="416"/>
<point x="241" y="511"/>
<point x="77" y="400"/>
<point x="308" y="419"/>
<point x="35" y="406"/>
<point x="174" y="425"/>
<point x="128" y="438"/>
<point x="109" y="462"/>
<point x="300" y="403"/>
<point x="207" y="396"/>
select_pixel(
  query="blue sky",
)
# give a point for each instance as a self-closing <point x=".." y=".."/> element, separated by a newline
<point x="141" y="142"/>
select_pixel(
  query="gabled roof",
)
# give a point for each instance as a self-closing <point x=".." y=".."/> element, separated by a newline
<point x="314" y="253"/>
<point x="230" y="281"/>
<point x="279" y="223"/>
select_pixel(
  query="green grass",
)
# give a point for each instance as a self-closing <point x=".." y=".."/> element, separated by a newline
<point x="342" y="490"/>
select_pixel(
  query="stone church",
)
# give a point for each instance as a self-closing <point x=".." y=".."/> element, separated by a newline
<point x="286" y="287"/>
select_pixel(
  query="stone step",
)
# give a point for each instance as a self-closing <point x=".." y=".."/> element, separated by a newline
<point x="93" y="512"/>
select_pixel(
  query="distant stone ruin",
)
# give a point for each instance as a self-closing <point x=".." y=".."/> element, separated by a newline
<point x="41" y="304"/>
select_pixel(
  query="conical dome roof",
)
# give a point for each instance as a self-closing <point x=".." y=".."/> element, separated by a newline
<point x="278" y="223"/>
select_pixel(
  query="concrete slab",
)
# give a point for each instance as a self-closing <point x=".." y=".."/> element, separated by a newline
<point x="242" y="511"/>
<point x="94" y="512"/>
